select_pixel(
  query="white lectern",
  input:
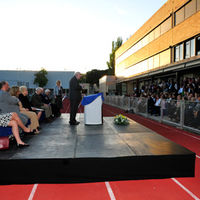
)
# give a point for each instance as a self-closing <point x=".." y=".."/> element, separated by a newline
<point x="93" y="109"/>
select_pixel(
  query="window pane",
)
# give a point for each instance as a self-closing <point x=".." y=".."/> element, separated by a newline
<point x="156" y="61"/>
<point x="181" y="52"/>
<point x="198" y="5"/>
<point x="198" y="45"/>
<point x="165" y="57"/>
<point x="139" y="45"/>
<point x="165" y="26"/>
<point x="157" y="32"/>
<point x="187" y="49"/>
<point x="151" y="36"/>
<point x="190" y="9"/>
<point x="177" y="53"/>
<point x="151" y="63"/>
<point x="145" y="40"/>
<point x="192" y="53"/>
<point x="179" y="16"/>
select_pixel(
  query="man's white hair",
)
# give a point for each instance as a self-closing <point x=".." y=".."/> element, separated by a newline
<point x="38" y="89"/>
<point x="76" y="73"/>
<point x="47" y="90"/>
<point x="22" y="88"/>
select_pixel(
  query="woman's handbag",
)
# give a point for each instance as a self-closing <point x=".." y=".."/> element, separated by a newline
<point x="4" y="143"/>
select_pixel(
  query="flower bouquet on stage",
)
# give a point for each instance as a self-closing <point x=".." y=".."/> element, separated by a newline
<point x="121" y="120"/>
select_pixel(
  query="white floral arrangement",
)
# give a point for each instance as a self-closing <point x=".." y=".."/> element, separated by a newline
<point x="121" y="120"/>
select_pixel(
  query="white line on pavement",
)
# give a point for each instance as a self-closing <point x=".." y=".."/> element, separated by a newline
<point x="185" y="189"/>
<point x="33" y="192"/>
<point x="110" y="192"/>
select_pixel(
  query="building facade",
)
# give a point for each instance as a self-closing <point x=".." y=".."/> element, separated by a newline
<point x="167" y="46"/>
<point x="107" y="85"/>
<point x="19" y="78"/>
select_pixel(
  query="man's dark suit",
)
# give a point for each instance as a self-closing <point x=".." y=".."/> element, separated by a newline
<point x="75" y="98"/>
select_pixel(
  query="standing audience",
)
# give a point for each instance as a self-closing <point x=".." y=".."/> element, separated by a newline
<point x="58" y="92"/>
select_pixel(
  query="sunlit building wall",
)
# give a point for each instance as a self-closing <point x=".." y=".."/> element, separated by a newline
<point x="170" y="37"/>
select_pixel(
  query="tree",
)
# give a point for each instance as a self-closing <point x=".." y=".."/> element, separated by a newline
<point x="40" y="78"/>
<point x="111" y="63"/>
<point x="83" y="78"/>
<point x="93" y="76"/>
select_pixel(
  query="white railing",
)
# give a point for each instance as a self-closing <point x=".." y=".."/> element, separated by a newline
<point x="182" y="114"/>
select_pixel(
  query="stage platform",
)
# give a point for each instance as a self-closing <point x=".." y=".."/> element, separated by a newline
<point x="70" y="154"/>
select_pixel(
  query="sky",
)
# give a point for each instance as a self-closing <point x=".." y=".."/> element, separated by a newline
<point x="69" y="35"/>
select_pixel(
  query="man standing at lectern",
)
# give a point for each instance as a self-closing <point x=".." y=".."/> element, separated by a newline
<point x="75" y="97"/>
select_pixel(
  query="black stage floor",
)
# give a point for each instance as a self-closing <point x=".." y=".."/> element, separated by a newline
<point x="69" y="154"/>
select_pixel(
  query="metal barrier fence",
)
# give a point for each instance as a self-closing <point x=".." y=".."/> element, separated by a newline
<point x="182" y="114"/>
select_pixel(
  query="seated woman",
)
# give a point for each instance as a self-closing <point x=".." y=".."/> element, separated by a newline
<point x="14" y="91"/>
<point x="8" y="103"/>
<point x="13" y="120"/>
<point x="25" y="101"/>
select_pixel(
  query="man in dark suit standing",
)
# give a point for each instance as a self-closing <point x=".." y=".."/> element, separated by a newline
<point x="75" y="97"/>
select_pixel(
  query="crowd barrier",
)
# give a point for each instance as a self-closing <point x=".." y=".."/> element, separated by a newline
<point x="177" y="113"/>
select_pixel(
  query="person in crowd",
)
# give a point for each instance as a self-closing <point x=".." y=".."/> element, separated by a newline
<point x="178" y="107"/>
<point x="157" y="105"/>
<point x="14" y="91"/>
<point x="197" y="113"/>
<point x="75" y="97"/>
<point x="23" y="97"/>
<point x="151" y="104"/>
<point x="189" y="97"/>
<point x="47" y="99"/>
<point x="13" y="120"/>
<point x="37" y="102"/>
<point x="181" y="90"/>
<point x="163" y="105"/>
<point x="42" y="95"/>
<point x="58" y="92"/>
<point x="9" y="104"/>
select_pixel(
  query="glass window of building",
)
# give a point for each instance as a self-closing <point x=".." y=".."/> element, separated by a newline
<point x="156" y="61"/>
<point x="145" y="40"/>
<point x="187" y="49"/>
<point x="139" y="45"/>
<point x="151" y="36"/>
<point x="157" y="32"/>
<point x="198" y="5"/>
<point x="198" y="45"/>
<point x="179" y="16"/>
<point x="177" y="53"/>
<point x="165" y="26"/>
<point x="190" y="8"/>
<point x="192" y="45"/>
<point x="165" y="57"/>
<point x="181" y="52"/>
<point x="150" y="63"/>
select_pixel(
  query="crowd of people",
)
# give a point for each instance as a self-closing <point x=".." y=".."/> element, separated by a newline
<point x="17" y="110"/>
<point x="167" y="96"/>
